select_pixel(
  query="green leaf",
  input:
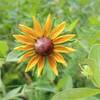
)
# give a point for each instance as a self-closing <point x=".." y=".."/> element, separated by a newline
<point x="12" y="94"/>
<point x="9" y="77"/>
<point x="95" y="64"/>
<point x="64" y="83"/>
<point x="49" y="73"/>
<point x="76" y="93"/>
<point x="2" y="86"/>
<point x="1" y="62"/>
<point x="89" y="98"/>
<point x="95" y="54"/>
<point x="12" y="57"/>
<point x="72" y="26"/>
<point x="3" y="48"/>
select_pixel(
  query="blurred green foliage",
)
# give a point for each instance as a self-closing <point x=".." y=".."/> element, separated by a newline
<point x="17" y="85"/>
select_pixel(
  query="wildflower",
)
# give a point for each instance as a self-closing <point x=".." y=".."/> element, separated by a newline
<point x="43" y="43"/>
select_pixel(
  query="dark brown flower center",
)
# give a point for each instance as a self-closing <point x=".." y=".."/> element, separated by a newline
<point x="44" y="46"/>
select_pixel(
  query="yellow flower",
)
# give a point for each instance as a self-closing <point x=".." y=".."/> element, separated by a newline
<point x="41" y="43"/>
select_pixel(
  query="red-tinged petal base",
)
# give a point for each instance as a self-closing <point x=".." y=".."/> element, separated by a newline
<point x="44" y="46"/>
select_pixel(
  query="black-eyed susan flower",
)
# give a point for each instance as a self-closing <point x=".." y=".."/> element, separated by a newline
<point x="43" y="43"/>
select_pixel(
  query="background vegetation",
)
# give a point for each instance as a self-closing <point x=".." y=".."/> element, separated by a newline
<point x="81" y="80"/>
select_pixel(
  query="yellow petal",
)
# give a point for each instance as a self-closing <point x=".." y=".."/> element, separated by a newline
<point x="47" y="26"/>
<point x="34" y="60"/>
<point x="24" y="47"/>
<point x="41" y="65"/>
<point x="28" y="30"/>
<point x="62" y="39"/>
<point x="30" y="38"/>
<point x="59" y="58"/>
<point x="24" y="39"/>
<point x="37" y="27"/>
<point x="57" y="30"/>
<point x="53" y="64"/>
<point x="25" y="56"/>
<point x="63" y="49"/>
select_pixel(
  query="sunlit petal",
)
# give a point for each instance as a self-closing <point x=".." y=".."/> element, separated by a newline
<point x="24" y="47"/>
<point x="62" y="39"/>
<point x="63" y="49"/>
<point x="34" y="60"/>
<point x="28" y="30"/>
<point x="59" y="58"/>
<point x="57" y="30"/>
<point x="53" y="64"/>
<point x="37" y="27"/>
<point x="47" y="26"/>
<point x="25" y="56"/>
<point x="23" y="39"/>
<point x="41" y="65"/>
